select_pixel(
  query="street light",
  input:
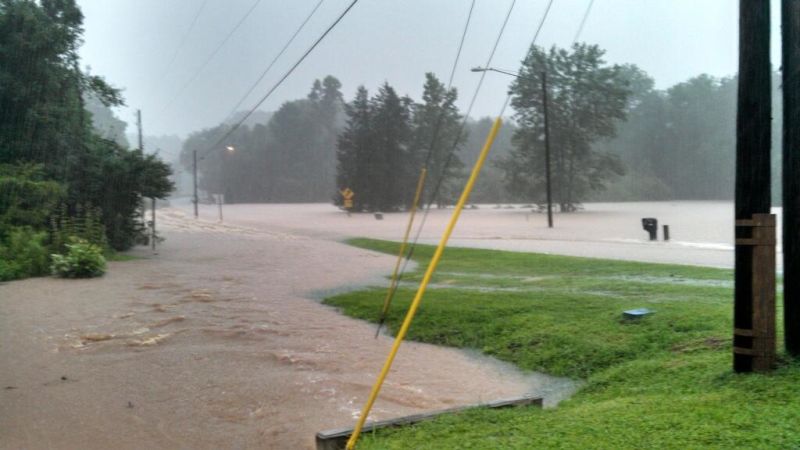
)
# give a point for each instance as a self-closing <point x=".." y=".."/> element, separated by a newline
<point x="230" y="149"/>
<point x="221" y="197"/>
<point x="546" y="135"/>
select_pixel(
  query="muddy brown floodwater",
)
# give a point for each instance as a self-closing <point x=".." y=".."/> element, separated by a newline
<point x="216" y="343"/>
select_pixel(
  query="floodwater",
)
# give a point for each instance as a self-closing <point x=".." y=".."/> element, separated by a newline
<point x="216" y="343"/>
<point x="701" y="231"/>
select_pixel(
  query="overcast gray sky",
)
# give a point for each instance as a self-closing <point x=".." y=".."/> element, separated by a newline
<point x="130" y="42"/>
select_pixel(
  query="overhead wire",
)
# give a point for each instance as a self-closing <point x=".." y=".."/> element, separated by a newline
<point x="275" y="59"/>
<point x="413" y="308"/>
<point x="393" y="281"/>
<point x="182" y="41"/>
<point x="211" y="56"/>
<point x="583" y="22"/>
<point x="286" y="75"/>
<point x="457" y="141"/>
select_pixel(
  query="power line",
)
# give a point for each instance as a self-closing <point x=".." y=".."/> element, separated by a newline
<point x="461" y="44"/>
<point x="212" y="55"/>
<point x="463" y="125"/>
<point x="183" y="41"/>
<point x="583" y="21"/>
<point x="275" y="59"/>
<point x="535" y="37"/>
<point x="286" y="75"/>
<point x="453" y="148"/>
<point x="434" y="139"/>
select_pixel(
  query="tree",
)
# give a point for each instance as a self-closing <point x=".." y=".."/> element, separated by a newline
<point x="374" y="150"/>
<point x="44" y="120"/>
<point x="587" y="99"/>
<point x="391" y="135"/>
<point x="286" y="156"/>
<point x="437" y="137"/>
<point x="353" y="149"/>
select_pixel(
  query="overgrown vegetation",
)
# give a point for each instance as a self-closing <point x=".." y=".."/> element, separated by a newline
<point x="59" y="178"/>
<point x="662" y="382"/>
<point x="81" y="260"/>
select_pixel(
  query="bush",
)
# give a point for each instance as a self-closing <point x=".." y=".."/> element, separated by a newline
<point x="83" y="222"/>
<point x="23" y="255"/>
<point x="83" y="260"/>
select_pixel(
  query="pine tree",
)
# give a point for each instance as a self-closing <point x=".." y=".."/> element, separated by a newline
<point x="437" y="136"/>
<point x="354" y="152"/>
<point x="391" y="131"/>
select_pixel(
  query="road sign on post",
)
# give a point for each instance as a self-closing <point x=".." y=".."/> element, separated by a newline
<point x="347" y="195"/>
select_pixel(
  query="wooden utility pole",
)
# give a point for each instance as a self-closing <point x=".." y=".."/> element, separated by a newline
<point x="152" y="199"/>
<point x="754" y="296"/>
<point x="790" y="17"/>
<point x="194" y="181"/>
<point x="547" y="152"/>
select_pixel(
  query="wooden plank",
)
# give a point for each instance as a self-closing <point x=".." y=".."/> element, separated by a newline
<point x="336" y="439"/>
<point x="756" y="241"/>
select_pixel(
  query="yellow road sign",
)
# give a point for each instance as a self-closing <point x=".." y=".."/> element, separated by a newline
<point x="347" y="194"/>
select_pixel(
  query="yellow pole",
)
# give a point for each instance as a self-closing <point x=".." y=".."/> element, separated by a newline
<point x="412" y="310"/>
<point x="388" y="300"/>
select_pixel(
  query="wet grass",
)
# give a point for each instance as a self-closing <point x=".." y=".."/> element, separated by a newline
<point x="662" y="382"/>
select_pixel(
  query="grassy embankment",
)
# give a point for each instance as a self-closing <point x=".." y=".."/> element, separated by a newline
<point x="663" y="382"/>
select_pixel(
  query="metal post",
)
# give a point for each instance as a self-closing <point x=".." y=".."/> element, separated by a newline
<point x="219" y="204"/>
<point x="547" y="152"/>
<point x="752" y="291"/>
<point x="790" y="18"/>
<point x="153" y="224"/>
<point x="194" y="181"/>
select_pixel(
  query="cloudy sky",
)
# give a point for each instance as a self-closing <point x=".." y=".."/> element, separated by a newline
<point x="131" y="43"/>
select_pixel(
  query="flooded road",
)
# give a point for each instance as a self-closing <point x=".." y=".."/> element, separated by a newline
<point x="701" y="231"/>
<point x="215" y="343"/>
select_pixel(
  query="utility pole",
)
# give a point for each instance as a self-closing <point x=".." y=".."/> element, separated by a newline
<point x="141" y="149"/>
<point x="194" y="181"/>
<point x="139" y="127"/>
<point x="754" y="293"/>
<point x="790" y="17"/>
<point x="547" y="152"/>
<point x="152" y="199"/>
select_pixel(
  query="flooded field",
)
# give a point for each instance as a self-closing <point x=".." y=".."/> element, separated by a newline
<point x="701" y="231"/>
<point x="216" y="342"/>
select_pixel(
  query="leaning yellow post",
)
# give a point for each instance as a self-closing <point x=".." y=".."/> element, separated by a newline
<point x="412" y="310"/>
<point x="388" y="300"/>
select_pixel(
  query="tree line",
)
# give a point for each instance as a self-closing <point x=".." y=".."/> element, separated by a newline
<point x="60" y="178"/>
<point x="613" y="137"/>
<point x="289" y="158"/>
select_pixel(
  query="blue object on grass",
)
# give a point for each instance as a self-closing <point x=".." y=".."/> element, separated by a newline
<point x="636" y="313"/>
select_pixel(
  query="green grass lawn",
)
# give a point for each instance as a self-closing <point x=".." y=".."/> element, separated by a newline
<point x="662" y="382"/>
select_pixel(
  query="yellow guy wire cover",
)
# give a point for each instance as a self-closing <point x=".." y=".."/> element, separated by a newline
<point x="389" y="294"/>
<point x="412" y="310"/>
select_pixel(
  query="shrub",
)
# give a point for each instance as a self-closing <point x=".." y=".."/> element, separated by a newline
<point x="23" y="255"/>
<point x="82" y="260"/>
<point x="83" y="222"/>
